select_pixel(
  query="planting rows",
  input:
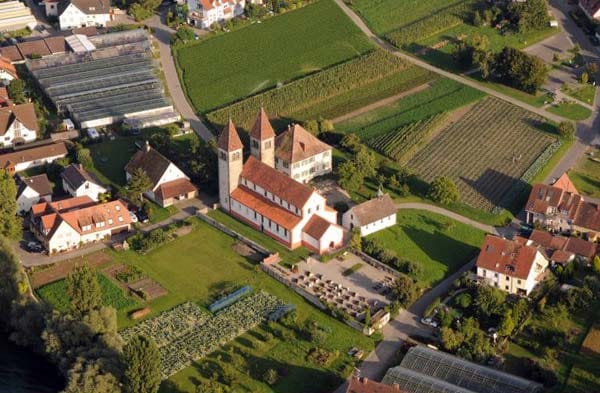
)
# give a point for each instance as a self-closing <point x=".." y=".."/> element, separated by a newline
<point x="311" y="90"/>
<point x="486" y="152"/>
<point x="399" y="144"/>
<point x="186" y="333"/>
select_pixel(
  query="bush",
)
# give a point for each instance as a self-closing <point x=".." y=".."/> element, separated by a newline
<point x="270" y="377"/>
<point x="566" y="129"/>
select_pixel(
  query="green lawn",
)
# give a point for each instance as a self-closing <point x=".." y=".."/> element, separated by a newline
<point x="197" y="266"/>
<point x="444" y="95"/>
<point x="438" y="244"/>
<point x="586" y="175"/>
<point x="537" y="100"/>
<point x="571" y="111"/>
<point x="584" y="93"/>
<point x="235" y="65"/>
<point x="110" y="158"/>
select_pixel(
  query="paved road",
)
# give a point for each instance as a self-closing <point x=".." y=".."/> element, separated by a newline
<point x="163" y="35"/>
<point x="449" y="214"/>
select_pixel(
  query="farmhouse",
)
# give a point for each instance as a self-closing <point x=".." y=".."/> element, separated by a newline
<point x="560" y="208"/>
<point x="78" y="182"/>
<point x="30" y="190"/>
<point x="510" y="265"/>
<point x="79" y="13"/>
<point x="560" y="249"/>
<point x="591" y="8"/>
<point x="68" y="224"/>
<point x="268" y="200"/>
<point x="18" y="124"/>
<point x="203" y="13"/>
<point x="371" y="216"/>
<point x="21" y="160"/>
<point x="169" y="183"/>
<point x="14" y="15"/>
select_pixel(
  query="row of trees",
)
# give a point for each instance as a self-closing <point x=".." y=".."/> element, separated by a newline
<point x="522" y="16"/>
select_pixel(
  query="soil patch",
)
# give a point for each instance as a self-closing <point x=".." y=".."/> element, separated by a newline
<point x="61" y="269"/>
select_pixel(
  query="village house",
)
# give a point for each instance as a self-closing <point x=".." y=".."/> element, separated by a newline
<point x="560" y="249"/>
<point x="371" y="216"/>
<point x="8" y="72"/>
<point x="18" y="124"/>
<point x="203" y="13"/>
<point x="560" y="208"/>
<point x="70" y="223"/>
<point x="268" y="200"/>
<point x="509" y="265"/>
<point x="30" y="190"/>
<point x="76" y="181"/>
<point x="169" y="183"/>
<point x="21" y="160"/>
<point x="365" y="385"/>
<point x="73" y="14"/>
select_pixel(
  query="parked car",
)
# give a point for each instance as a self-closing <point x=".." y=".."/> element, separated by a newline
<point x="142" y="216"/>
<point x="34" y="247"/>
<point x="134" y="218"/>
<point x="594" y="40"/>
<point x="429" y="322"/>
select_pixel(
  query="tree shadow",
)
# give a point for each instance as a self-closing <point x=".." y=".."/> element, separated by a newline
<point x="499" y="189"/>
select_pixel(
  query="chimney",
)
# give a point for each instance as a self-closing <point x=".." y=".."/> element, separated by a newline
<point x="363" y="380"/>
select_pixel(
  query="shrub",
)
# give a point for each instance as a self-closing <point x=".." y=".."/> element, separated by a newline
<point x="270" y="377"/>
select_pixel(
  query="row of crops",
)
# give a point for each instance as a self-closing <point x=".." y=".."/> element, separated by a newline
<point x="436" y="23"/>
<point x="309" y="91"/>
<point x="186" y="333"/>
<point x="401" y="143"/>
<point x="486" y="152"/>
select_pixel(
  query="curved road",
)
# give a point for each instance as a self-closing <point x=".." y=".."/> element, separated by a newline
<point x="449" y="214"/>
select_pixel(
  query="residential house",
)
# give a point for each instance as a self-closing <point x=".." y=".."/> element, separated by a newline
<point x="68" y="224"/>
<point x="510" y="265"/>
<point x="591" y="8"/>
<point x="301" y="155"/>
<point x="8" y="72"/>
<point x="78" y="182"/>
<point x="371" y="216"/>
<point x="73" y="14"/>
<point x="30" y="190"/>
<point x="169" y="183"/>
<point x="21" y="160"/>
<point x="560" y="208"/>
<point x="365" y="385"/>
<point x="203" y="13"/>
<point x="18" y="124"/>
<point x="256" y="193"/>
<point x="560" y="249"/>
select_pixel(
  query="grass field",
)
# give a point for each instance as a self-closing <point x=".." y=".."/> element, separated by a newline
<point x="232" y="66"/>
<point x="486" y="152"/>
<point x="198" y="266"/>
<point x="112" y="295"/>
<point x="586" y="175"/>
<point x="585" y="374"/>
<point x="438" y="244"/>
<point x="571" y="111"/>
<point x="444" y="95"/>
<point x="584" y="93"/>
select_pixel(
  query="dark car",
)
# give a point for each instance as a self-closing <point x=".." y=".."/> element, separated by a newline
<point x="142" y="216"/>
<point x="594" y="40"/>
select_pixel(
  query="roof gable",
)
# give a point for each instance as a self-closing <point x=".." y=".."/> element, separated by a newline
<point x="262" y="128"/>
<point x="229" y="139"/>
<point x="297" y="144"/>
<point x="373" y="210"/>
<point x="150" y="161"/>
<point x="507" y="257"/>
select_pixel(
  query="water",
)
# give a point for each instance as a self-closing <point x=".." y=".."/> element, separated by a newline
<point x="22" y="371"/>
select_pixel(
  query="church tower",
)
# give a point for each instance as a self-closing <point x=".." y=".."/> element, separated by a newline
<point x="262" y="140"/>
<point x="231" y="163"/>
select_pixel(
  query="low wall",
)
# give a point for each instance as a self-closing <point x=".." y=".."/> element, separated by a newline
<point x="376" y="264"/>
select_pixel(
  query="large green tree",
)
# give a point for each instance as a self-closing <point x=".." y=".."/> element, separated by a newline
<point x="138" y="184"/>
<point x="10" y="224"/>
<point x="142" y="365"/>
<point x="520" y="70"/>
<point x="529" y="15"/>
<point x="84" y="291"/>
<point x="16" y="91"/>
<point x="405" y="290"/>
<point x="443" y="190"/>
<point x="89" y="377"/>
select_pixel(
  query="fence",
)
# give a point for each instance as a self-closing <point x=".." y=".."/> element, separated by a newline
<point x="376" y="264"/>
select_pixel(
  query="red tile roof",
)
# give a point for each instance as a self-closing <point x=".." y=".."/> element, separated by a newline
<point x="565" y="184"/>
<point x="560" y="256"/>
<point x="6" y="65"/>
<point x="24" y="113"/>
<point x="506" y="257"/>
<point x="33" y="154"/>
<point x="547" y="240"/>
<point x="297" y="144"/>
<point x="581" y="247"/>
<point x="62" y="205"/>
<point x="316" y="227"/>
<point x="276" y="182"/>
<point x="262" y="128"/>
<point x="265" y="208"/>
<point x="364" y="385"/>
<point x="229" y="139"/>
<point x="175" y="188"/>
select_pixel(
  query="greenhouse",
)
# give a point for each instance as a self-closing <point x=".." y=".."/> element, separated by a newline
<point x="424" y="370"/>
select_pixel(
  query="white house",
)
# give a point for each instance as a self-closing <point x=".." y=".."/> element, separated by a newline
<point x="371" y="216"/>
<point x="21" y="160"/>
<point x="169" y="183"/>
<point x="30" y="190"/>
<point x="301" y="155"/>
<point x="72" y="14"/>
<point x="18" y="124"/>
<point x="76" y="181"/>
<point x="203" y="13"/>
<point x="256" y="193"/>
<point x="510" y="265"/>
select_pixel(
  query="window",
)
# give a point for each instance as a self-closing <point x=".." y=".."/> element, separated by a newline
<point x="236" y="156"/>
<point x="507" y="278"/>
<point x="120" y="219"/>
<point x="496" y="275"/>
<point x="518" y="281"/>
<point x="110" y="221"/>
<point x="255" y="144"/>
<point x="118" y="208"/>
<point x="506" y="287"/>
<point x="267" y="144"/>
<point x="223" y="155"/>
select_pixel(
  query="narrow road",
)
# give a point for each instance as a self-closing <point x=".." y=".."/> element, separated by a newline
<point x="449" y="214"/>
<point x="163" y="33"/>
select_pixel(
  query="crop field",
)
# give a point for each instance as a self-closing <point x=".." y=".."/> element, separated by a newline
<point x="491" y="152"/>
<point x="398" y="144"/>
<point x="262" y="56"/>
<point x="112" y="295"/>
<point x="341" y="84"/>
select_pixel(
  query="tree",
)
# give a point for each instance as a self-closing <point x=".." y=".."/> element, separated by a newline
<point x="405" y="290"/>
<point x="16" y="91"/>
<point x="210" y="387"/>
<point x="584" y="78"/>
<point x="312" y="126"/>
<point x="144" y="9"/>
<point x="443" y="190"/>
<point x="326" y="125"/>
<point x="355" y="240"/>
<point x="142" y="366"/>
<point x="350" y="178"/>
<point x="13" y="282"/>
<point x="138" y="184"/>
<point x="10" y="223"/>
<point x="351" y="142"/>
<point x="596" y="264"/>
<point x="451" y="340"/>
<point x="529" y="15"/>
<point x="566" y="129"/>
<point x="84" y="291"/>
<point x="507" y="325"/>
<point x="90" y="378"/>
<point x="270" y="377"/>
<point x="84" y="157"/>
<point x="275" y="6"/>
<point x="489" y="301"/>
<point x="521" y="70"/>
<point x="365" y="161"/>
<point x="478" y="19"/>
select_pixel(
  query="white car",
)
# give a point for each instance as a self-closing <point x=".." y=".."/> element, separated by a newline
<point x="134" y="218"/>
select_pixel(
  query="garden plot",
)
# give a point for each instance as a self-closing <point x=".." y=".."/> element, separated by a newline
<point x="491" y="153"/>
<point x="135" y="281"/>
<point x="186" y="333"/>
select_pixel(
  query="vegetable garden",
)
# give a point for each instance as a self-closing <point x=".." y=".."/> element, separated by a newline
<point x="186" y="333"/>
<point x="492" y="150"/>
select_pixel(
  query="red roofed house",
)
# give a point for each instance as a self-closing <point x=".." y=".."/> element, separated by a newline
<point x="562" y="250"/>
<point x="203" y="13"/>
<point x="510" y="265"/>
<point x="8" y="72"/>
<point x="169" y="183"/>
<point x="560" y="208"/>
<point x="270" y="201"/>
<point x="66" y="225"/>
<point x="364" y="385"/>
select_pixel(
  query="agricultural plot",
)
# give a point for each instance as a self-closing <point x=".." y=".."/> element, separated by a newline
<point x="491" y="153"/>
<point x="233" y="66"/>
<point x="186" y="333"/>
<point x="400" y="143"/>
